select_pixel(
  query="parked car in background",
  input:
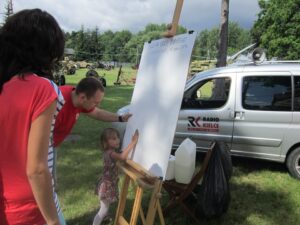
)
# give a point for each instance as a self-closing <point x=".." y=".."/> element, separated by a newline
<point x="68" y="66"/>
<point x="102" y="65"/>
<point x="83" y="64"/>
<point x="254" y="108"/>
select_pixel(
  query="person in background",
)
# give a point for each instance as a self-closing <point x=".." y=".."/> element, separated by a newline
<point x="31" y="43"/>
<point x="108" y="184"/>
<point x="84" y="98"/>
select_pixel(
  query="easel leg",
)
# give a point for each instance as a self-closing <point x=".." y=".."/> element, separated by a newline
<point x="122" y="201"/>
<point x="155" y="205"/>
<point x="142" y="215"/>
<point x="136" y="206"/>
<point x="160" y="214"/>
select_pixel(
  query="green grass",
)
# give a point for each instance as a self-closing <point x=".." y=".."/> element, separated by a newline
<point x="262" y="192"/>
<point x="109" y="75"/>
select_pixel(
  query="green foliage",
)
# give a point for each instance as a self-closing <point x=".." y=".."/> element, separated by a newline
<point x="121" y="46"/>
<point x="117" y="45"/>
<point x="105" y="41"/>
<point x="278" y="28"/>
<point x="206" y="46"/>
<point x="80" y="47"/>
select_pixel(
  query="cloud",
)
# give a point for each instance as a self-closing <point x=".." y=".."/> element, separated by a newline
<point x="134" y="15"/>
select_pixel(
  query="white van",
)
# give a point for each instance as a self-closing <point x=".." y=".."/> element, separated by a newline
<point x="255" y="109"/>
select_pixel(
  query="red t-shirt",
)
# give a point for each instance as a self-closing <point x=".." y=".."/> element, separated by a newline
<point x="21" y="102"/>
<point x="67" y="117"/>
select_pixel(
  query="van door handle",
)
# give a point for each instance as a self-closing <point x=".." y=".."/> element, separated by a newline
<point x="231" y="114"/>
<point x="239" y="115"/>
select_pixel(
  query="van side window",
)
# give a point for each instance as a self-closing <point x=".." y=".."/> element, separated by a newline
<point x="269" y="93"/>
<point x="207" y="94"/>
<point x="297" y="93"/>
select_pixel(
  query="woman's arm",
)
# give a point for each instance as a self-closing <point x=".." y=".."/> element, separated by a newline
<point x="124" y="154"/>
<point x="37" y="165"/>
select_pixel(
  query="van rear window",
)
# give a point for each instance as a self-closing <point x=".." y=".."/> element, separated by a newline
<point x="269" y="93"/>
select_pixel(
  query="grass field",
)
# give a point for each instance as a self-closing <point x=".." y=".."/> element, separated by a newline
<point x="262" y="193"/>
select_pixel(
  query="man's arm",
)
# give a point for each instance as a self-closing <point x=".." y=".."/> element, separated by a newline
<point x="106" y="116"/>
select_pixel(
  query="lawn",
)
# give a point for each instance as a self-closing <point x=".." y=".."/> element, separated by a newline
<point x="261" y="192"/>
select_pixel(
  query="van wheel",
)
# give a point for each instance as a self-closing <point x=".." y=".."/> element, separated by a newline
<point x="293" y="163"/>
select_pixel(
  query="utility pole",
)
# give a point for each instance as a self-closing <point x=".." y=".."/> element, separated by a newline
<point x="219" y="84"/>
<point x="223" y="35"/>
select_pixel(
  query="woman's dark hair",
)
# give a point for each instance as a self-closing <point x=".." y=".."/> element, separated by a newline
<point x="89" y="86"/>
<point x="30" y="41"/>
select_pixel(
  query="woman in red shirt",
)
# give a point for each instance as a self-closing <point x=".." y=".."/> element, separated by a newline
<point x="31" y="42"/>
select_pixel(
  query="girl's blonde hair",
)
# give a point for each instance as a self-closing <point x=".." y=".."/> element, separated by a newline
<point x="106" y="134"/>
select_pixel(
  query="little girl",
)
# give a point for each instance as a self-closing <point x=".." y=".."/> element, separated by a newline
<point x="108" y="184"/>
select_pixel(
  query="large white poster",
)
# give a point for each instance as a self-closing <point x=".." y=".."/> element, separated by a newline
<point x="157" y="98"/>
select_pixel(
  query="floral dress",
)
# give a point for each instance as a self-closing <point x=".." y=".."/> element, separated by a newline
<point x="108" y="183"/>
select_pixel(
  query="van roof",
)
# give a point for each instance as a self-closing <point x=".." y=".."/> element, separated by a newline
<point x="250" y="67"/>
<point x="268" y="66"/>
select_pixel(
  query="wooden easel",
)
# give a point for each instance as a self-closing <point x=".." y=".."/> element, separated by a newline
<point x="172" y="28"/>
<point x="142" y="180"/>
<point x="140" y="177"/>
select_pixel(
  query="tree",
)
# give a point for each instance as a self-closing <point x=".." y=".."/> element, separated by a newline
<point x="278" y="28"/>
<point x="106" y="43"/>
<point x="206" y="46"/>
<point x="151" y="32"/>
<point x="93" y="45"/>
<point x="118" y="43"/>
<point x="70" y="39"/>
<point x="122" y="46"/>
<point x="238" y="38"/>
<point x="8" y="9"/>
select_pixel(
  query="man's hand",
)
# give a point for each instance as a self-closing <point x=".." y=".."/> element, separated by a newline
<point x="126" y="116"/>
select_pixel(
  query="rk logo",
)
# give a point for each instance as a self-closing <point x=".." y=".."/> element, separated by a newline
<point x="194" y="121"/>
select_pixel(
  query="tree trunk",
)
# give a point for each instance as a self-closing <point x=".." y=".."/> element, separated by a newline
<point x="223" y="35"/>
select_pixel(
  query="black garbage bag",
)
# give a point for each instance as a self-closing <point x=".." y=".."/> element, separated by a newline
<point x="213" y="198"/>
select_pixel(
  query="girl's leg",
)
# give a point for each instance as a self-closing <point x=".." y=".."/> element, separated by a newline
<point x="104" y="207"/>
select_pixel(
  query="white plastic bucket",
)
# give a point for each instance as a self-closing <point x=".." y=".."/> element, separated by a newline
<point x="170" y="174"/>
<point x="185" y="161"/>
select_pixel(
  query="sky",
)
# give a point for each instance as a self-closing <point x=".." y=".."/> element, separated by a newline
<point x="134" y="15"/>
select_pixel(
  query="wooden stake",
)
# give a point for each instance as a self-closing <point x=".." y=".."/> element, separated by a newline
<point x="172" y="28"/>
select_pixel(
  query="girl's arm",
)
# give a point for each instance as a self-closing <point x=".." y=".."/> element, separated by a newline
<point x="37" y="165"/>
<point x="124" y="154"/>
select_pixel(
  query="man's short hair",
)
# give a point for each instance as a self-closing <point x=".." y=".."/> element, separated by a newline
<point x="89" y="86"/>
